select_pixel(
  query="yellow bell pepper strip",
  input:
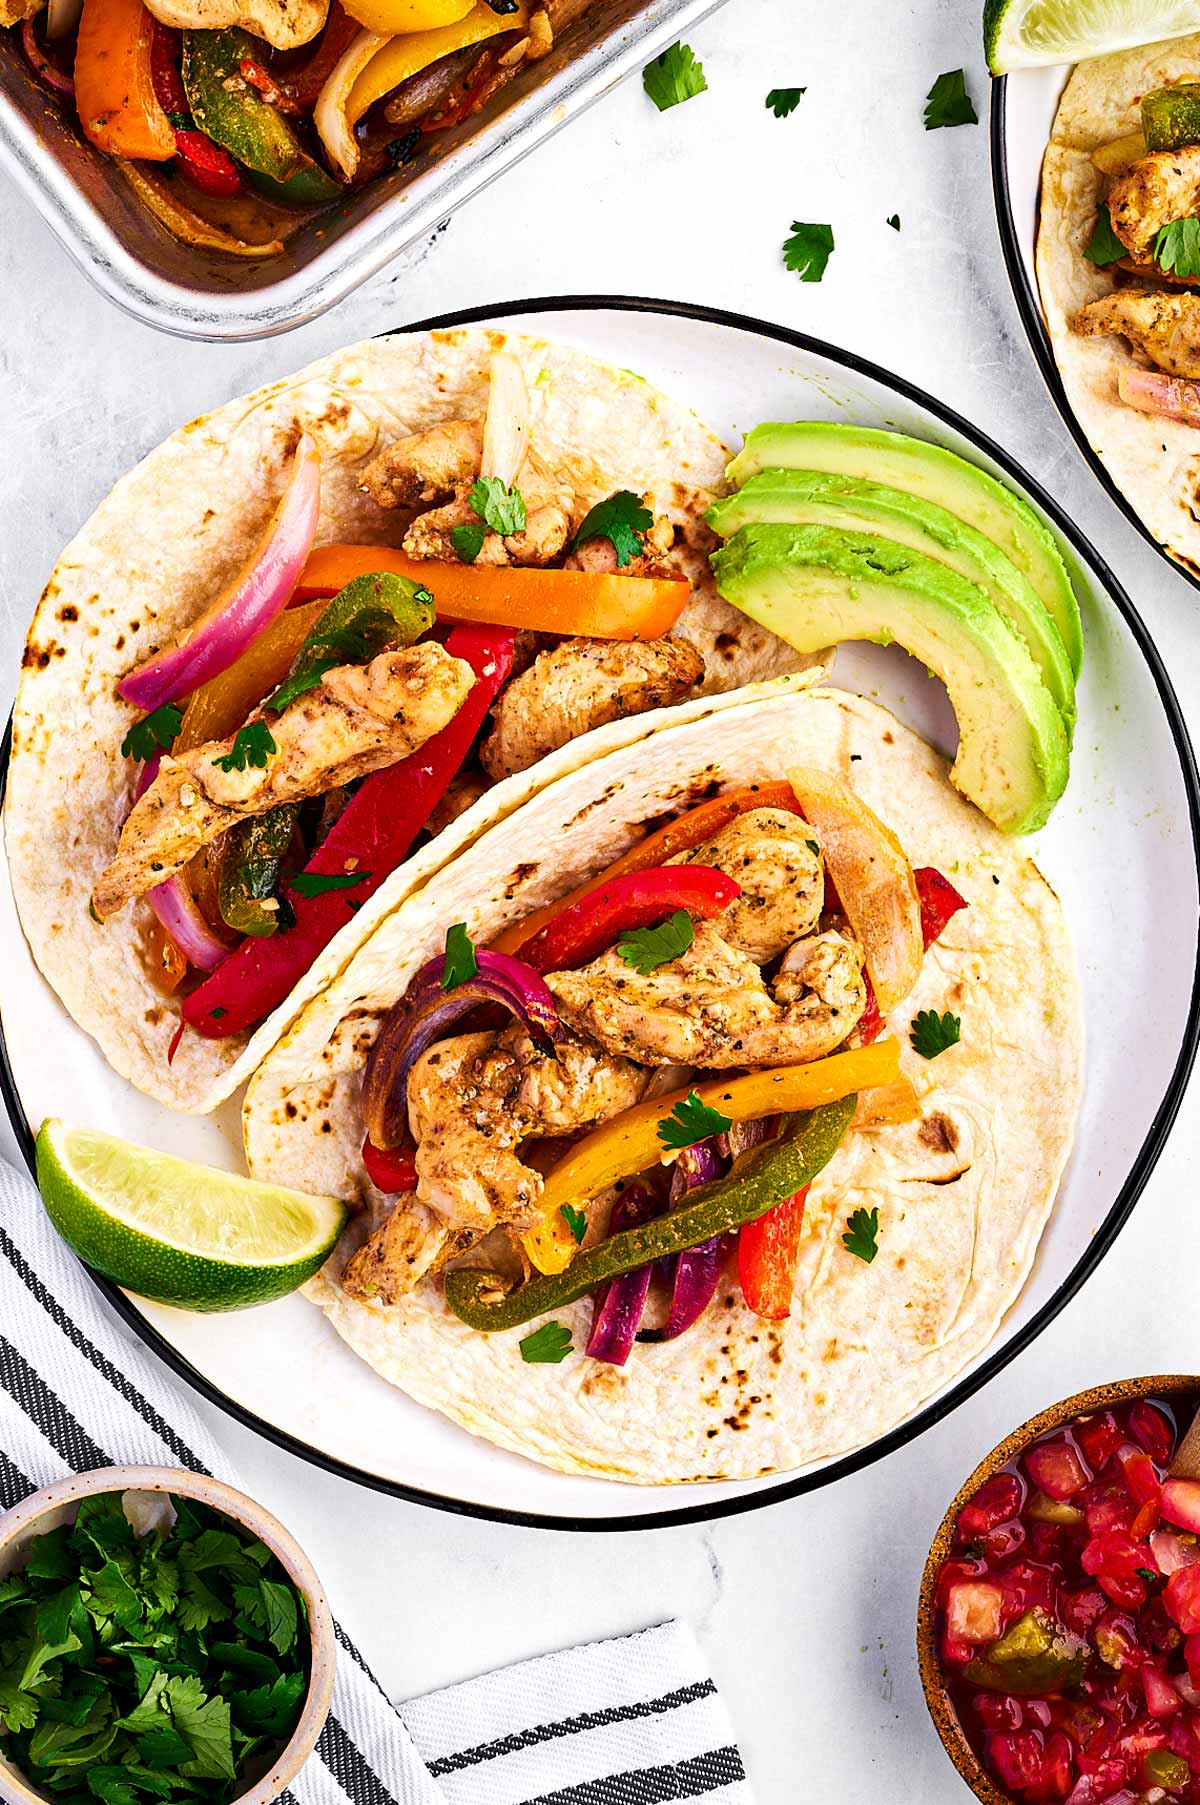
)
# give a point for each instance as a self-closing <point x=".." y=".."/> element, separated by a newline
<point x="114" y="82"/>
<point x="759" y="1181"/>
<point x="406" y="56"/>
<point x="220" y="706"/>
<point x="395" y="16"/>
<point x="574" y="603"/>
<point x="630" y="1144"/>
<point x="186" y="226"/>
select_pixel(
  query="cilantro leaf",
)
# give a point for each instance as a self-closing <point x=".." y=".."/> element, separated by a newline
<point x="645" y="949"/>
<point x="575" y="1220"/>
<point x="153" y="734"/>
<point x="18" y="1708"/>
<point x="468" y="540"/>
<point x="164" y="1747"/>
<point x="691" y="1121"/>
<point x="1148" y="1574"/>
<point x="460" y="963"/>
<point x="783" y="101"/>
<point x="948" y="102"/>
<point x="861" y="1236"/>
<point x="1177" y="247"/>
<point x="111" y="1595"/>
<point x="932" y="1033"/>
<point x="1104" y="246"/>
<point x="623" y="520"/>
<point x="316" y="883"/>
<point x="50" y="1556"/>
<point x="271" y="1710"/>
<point x="808" y="250"/>
<point x="300" y="682"/>
<point x="674" y="77"/>
<point x="547" y="1346"/>
<point x="204" y="1723"/>
<point x="894" y="221"/>
<point x="502" y="508"/>
<point x="252" y="745"/>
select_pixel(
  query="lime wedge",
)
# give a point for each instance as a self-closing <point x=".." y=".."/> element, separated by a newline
<point x="180" y="1233"/>
<point x="1021" y="34"/>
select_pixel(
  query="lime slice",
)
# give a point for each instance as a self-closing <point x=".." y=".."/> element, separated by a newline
<point x="180" y="1233"/>
<point x="1021" y="34"/>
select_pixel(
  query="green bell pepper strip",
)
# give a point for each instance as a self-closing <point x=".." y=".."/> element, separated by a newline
<point x="1171" y="116"/>
<point x="232" y="112"/>
<point x="760" y="1179"/>
<point x="368" y="615"/>
<point x="250" y="870"/>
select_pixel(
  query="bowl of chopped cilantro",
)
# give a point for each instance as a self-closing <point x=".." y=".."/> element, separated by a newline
<point x="162" y="1638"/>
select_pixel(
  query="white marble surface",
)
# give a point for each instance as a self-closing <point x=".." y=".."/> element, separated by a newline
<point x="806" y="1610"/>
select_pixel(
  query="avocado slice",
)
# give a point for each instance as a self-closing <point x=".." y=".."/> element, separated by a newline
<point x="934" y="474"/>
<point x="819" y="498"/>
<point x="813" y="584"/>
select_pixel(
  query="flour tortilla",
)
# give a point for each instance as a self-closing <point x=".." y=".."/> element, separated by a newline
<point x="181" y="524"/>
<point x="1154" y="462"/>
<point x="963" y="1194"/>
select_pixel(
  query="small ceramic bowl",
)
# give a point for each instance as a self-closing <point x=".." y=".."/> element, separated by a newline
<point x="936" y="1697"/>
<point x="56" y="1504"/>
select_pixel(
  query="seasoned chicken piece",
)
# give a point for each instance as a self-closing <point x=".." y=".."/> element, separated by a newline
<point x="413" y="1243"/>
<point x="359" y="719"/>
<point x="13" y="11"/>
<point x="547" y="526"/>
<point x="600" y="555"/>
<point x="284" y="23"/>
<point x="711" y="1008"/>
<point x="773" y="856"/>
<point x="581" y="684"/>
<point x="1166" y="328"/>
<point x="1152" y="192"/>
<point x="426" y="465"/>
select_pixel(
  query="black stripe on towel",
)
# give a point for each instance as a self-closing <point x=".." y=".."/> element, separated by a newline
<point x="65" y="1433"/>
<point x="90" y="1351"/>
<point x="13" y="1484"/>
<point x="654" y="1785"/>
<point x="349" y="1767"/>
<point x="359" y="1661"/>
<point x="571" y="1726"/>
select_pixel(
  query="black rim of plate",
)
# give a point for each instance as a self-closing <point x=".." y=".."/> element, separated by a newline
<point x="1143" y="1165"/>
<point x="1029" y="308"/>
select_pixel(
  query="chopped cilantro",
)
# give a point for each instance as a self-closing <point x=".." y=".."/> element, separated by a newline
<point x="316" y="883"/>
<point x="948" y="102"/>
<point x="932" y="1033"/>
<point x="468" y="540"/>
<point x="1104" y="246"/>
<point x="1177" y="248"/>
<point x="547" y="1346"/>
<point x="575" y="1220"/>
<point x="252" y="745"/>
<point x="153" y="734"/>
<point x="783" y="101"/>
<point x="808" y="250"/>
<point x="502" y="508"/>
<point x="862" y="1235"/>
<point x="623" y="520"/>
<point x="814" y="848"/>
<point x="673" y="77"/>
<point x="894" y="221"/>
<point x="1147" y="1573"/>
<point x="460" y="962"/>
<point x="645" y="949"/>
<point x="691" y="1121"/>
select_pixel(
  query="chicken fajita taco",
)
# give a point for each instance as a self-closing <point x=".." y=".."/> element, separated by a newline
<point x="702" y="1119"/>
<point x="315" y="644"/>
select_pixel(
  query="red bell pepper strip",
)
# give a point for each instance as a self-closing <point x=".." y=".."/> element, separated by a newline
<point x="767" y="1253"/>
<point x="939" y="902"/>
<point x="208" y="166"/>
<point x="390" y="1169"/>
<point x="372" y="835"/>
<point x="640" y="899"/>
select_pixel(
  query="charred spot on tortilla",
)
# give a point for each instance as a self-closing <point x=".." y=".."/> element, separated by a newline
<point x="938" y="1133"/>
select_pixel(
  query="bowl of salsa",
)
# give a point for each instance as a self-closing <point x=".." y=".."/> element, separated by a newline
<point x="1059" y="1619"/>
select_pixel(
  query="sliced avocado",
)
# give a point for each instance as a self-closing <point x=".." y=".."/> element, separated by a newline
<point x="812" y="585"/>
<point x="852" y="504"/>
<point x="934" y="474"/>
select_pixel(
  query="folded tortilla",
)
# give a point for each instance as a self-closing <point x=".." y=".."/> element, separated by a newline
<point x="180" y="525"/>
<point x="1154" y="462"/>
<point x="963" y="1193"/>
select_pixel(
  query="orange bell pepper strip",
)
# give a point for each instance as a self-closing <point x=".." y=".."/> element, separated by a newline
<point x="658" y="848"/>
<point x="629" y="1143"/>
<point x="114" y="83"/>
<point x="584" y="602"/>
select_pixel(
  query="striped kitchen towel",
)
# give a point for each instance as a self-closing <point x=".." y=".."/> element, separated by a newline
<point x="635" y="1721"/>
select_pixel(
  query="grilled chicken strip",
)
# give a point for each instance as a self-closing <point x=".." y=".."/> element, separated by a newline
<point x="712" y="1008"/>
<point x="1152" y="192"/>
<point x="772" y="855"/>
<point x="426" y="465"/>
<point x="359" y="719"/>
<point x="580" y="684"/>
<point x="411" y="1245"/>
<point x="1165" y="328"/>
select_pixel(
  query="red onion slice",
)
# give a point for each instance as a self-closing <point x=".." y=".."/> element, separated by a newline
<point x="698" y="1271"/>
<point x="41" y="64"/>
<point x="426" y="1012"/>
<point x="180" y="915"/>
<point x="259" y="592"/>
<point x="1153" y="392"/>
<point x="620" y="1303"/>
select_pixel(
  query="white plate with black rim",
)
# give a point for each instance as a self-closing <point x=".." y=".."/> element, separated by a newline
<point x="1024" y="106"/>
<point x="1121" y="849"/>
